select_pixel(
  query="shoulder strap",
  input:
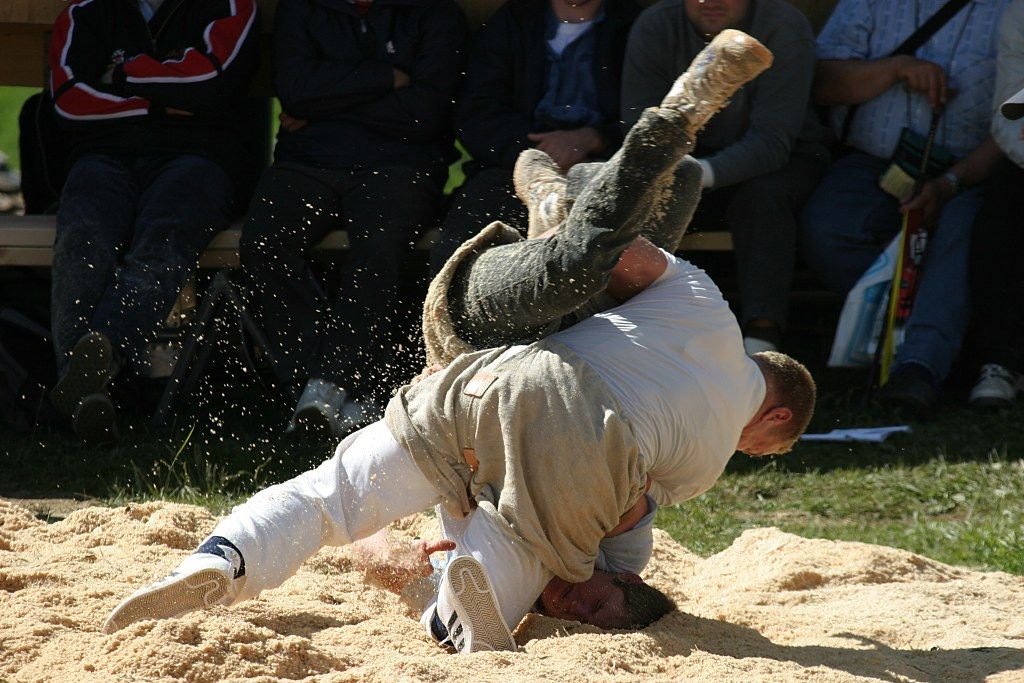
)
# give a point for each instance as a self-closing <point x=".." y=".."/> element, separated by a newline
<point x="914" y="41"/>
<point x="930" y="27"/>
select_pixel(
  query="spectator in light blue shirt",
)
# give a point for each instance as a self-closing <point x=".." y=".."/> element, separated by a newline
<point x="850" y="219"/>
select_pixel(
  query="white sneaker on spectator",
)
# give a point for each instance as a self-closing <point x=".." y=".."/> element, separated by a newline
<point x="468" y="608"/>
<point x="997" y="387"/>
<point x="318" y="411"/>
<point x="10" y="180"/>
<point x="201" y="580"/>
<point x="752" y="345"/>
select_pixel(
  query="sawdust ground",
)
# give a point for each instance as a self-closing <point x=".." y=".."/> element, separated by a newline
<point x="773" y="606"/>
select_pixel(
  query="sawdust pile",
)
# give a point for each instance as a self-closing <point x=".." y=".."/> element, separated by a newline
<point x="772" y="607"/>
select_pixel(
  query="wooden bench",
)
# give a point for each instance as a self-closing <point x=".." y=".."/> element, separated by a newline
<point x="28" y="241"/>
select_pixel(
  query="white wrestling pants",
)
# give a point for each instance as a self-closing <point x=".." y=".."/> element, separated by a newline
<point x="370" y="482"/>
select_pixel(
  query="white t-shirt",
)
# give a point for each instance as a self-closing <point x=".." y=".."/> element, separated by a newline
<point x="568" y="32"/>
<point x="673" y="356"/>
<point x="149" y="8"/>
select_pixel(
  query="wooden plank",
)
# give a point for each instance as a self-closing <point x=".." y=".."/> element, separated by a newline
<point x="22" y="58"/>
<point x="28" y="241"/>
<point x="718" y="240"/>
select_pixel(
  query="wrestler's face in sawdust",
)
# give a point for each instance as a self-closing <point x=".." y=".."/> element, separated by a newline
<point x="711" y="17"/>
<point x="597" y="601"/>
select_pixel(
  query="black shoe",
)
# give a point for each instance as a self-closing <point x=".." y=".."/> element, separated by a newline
<point x="95" y="420"/>
<point x="91" y="366"/>
<point x="910" y="388"/>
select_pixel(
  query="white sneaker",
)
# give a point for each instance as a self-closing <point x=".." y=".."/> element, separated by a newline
<point x="997" y="387"/>
<point x="201" y="580"/>
<point x="541" y="186"/>
<point x="318" y="411"/>
<point x="467" y="606"/>
<point x="752" y="345"/>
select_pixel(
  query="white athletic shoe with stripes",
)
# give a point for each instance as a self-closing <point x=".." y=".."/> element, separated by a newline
<point x="468" y="608"/>
<point x="201" y="580"/>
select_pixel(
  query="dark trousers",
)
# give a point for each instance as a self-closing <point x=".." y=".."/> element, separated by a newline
<point x="513" y="292"/>
<point x="293" y="209"/>
<point x="997" y="281"/>
<point x="487" y="196"/>
<point x="129" y="234"/>
<point x="761" y="214"/>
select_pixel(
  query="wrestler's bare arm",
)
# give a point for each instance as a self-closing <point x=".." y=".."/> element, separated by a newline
<point x="640" y="265"/>
<point x="391" y="563"/>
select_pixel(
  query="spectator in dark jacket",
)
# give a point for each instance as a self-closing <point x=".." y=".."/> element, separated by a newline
<point x="152" y="93"/>
<point x="541" y="73"/>
<point x="761" y="155"/>
<point x="366" y="89"/>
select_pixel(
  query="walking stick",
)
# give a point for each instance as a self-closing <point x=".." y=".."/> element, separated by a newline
<point x="913" y="246"/>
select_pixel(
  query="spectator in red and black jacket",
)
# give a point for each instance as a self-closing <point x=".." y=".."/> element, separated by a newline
<point x="366" y="89"/>
<point x="540" y="73"/>
<point x="151" y="92"/>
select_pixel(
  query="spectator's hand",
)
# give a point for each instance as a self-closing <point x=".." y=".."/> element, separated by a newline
<point x="568" y="147"/>
<point x="923" y="76"/>
<point x="290" y="124"/>
<point x="929" y="201"/>
<point x="401" y="78"/>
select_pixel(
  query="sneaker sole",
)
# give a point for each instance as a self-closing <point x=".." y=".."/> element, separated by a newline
<point x="88" y="373"/>
<point x="95" y="420"/>
<point x="990" y="402"/>
<point x="472" y="594"/>
<point x="205" y="588"/>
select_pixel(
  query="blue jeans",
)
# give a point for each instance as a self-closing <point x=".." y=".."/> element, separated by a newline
<point x="130" y="231"/>
<point x="847" y="223"/>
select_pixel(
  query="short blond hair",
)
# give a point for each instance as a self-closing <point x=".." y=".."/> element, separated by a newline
<point x="790" y="384"/>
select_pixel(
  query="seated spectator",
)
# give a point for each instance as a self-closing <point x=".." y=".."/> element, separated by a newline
<point x="761" y="156"/>
<point x="544" y="74"/>
<point x="997" y="282"/>
<point x="152" y="94"/>
<point x="366" y="89"/>
<point x="849" y="219"/>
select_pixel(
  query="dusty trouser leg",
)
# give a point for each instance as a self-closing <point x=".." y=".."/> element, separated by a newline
<point x="514" y="291"/>
<point x="674" y="200"/>
<point x="369" y="483"/>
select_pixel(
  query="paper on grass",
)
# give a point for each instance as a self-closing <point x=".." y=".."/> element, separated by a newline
<point x="863" y="434"/>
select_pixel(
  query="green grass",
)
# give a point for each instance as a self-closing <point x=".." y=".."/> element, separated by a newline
<point x="953" y="490"/>
<point x="11" y="99"/>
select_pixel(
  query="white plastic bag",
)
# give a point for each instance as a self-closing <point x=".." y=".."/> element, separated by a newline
<point x="860" y="322"/>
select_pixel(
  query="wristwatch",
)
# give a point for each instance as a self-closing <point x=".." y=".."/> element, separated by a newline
<point x="954" y="180"/>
